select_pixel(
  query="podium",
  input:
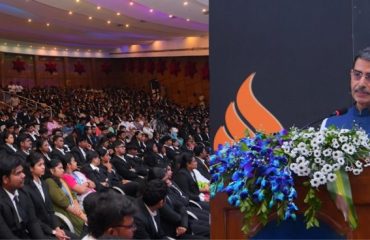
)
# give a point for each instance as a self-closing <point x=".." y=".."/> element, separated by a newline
<point x="227" y="221"/>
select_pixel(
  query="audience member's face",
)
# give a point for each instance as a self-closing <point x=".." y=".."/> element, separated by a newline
<point x="26" y="144"/>
<point x="106" y="158"/>
<point x="15" y="180"/>
<point x="59" y="142"/>
<point x="168" y="173"/>
<point x="360" y="89"/>
<point x="57" y="171"/>
<point x="193" y="164"/>
<point x="126" y="229"/>
<point x="73" y="164"/>
<point x="95" y="161"/>
<point x="121" y="149"/>
<point x="45" y="147"/>
<point x="39" y="168"/>
<point x="10" y="139"/>
<point x="155" y="148"/>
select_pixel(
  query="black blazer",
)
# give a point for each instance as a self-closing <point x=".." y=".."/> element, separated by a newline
<point x="187" y="184"/>
<point x="123" y="168"/>
<point x="7" y="150"/>
<point x="145" y="226"/>
<point x="44" y="210"/>
<point x="56" y="154"/>
<point x="173" y="215"/>
<point x="96" y="176"/>
<point x="9" y="224"/>
<point x="79" y="157"/>
<point x="202" y="168"/>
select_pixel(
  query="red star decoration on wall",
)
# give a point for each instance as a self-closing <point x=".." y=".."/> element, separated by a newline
<point x="19" y="65"/>
<point x="205" y="71"/>
<point x="150" y="67"/>
<point x="131" y="66"/>
<point x="161" y="66"/>
<point x="79" y="68"/>
<point x="141" y="66"/>
<point x="106" y="68"/>
<point x="50" y="67"/>
<point x="174" y="67"/>
<point x="190" y="69"/>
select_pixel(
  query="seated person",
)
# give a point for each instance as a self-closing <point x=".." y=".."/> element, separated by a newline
<point x="64" y="200"/>
<point x="17" y="214"/>
<point x="38" y="191"/>
<point x="76" y="180"/>
<point x="110" y="215"/>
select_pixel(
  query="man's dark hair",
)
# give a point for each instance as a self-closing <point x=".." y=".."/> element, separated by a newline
<point x="363" y="54"/>
<point x="7" y="165"/>
<point x="105" y="210"/>
<point x="155" y="191"/>
<point x="198" y="150"/>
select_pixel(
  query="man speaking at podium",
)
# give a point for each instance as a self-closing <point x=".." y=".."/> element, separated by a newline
<point x="357" y="115"/>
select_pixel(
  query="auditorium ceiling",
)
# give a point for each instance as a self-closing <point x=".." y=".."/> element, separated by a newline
<point x="100" y="24"/>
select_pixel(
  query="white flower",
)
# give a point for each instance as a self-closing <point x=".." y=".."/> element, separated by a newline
<point x="337" y="154"/>
<point x="344" y="130"/>
<point x="317" y="153"/>
<point x="327" y="152"/>
<point x="304" y="152"/>
<point x="320" y="139"/>
<point x="345" y="147"/>
<point x="357" y="171"/>
<point x="351" y="150"/>
<point x="314" y="182"/>
<point x="322" y="180"/>
<point x="317" y="160"/>
<point x="300" y="159"/>
<point x="358" y="164"/>
<point x="341" y="161"/>
<point x="343" y="139"/>
<point x="336" y="166"/>
<point x="348" y="169"/>
<point x="306" y="172"/>
<point x="301" y="145"/>
<point x="293" y="167"/>
<point x="318" y="174"/>
<point x="326" y="168"/>
<point x="331" y="177"/>
<point x="335" y="145"/>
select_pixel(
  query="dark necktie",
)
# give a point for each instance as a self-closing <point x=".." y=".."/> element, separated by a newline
<point x="21" y="213"/>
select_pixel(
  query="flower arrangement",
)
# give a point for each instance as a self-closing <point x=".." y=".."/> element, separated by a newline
<point x="258" y="173"/>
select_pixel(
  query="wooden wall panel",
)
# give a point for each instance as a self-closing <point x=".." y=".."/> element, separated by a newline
<point x="99" y="73"/>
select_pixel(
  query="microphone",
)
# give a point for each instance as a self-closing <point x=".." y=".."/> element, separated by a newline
<point x="337" y="112"/>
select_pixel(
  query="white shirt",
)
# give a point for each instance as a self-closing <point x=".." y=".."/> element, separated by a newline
<point x="83" y="152"/>
<point x="39" y="187"/>
<point x="11" y="196"/>
<point x="12" y="147"/>
<point x="94" y="167"/>
<point x="152" y="214"/>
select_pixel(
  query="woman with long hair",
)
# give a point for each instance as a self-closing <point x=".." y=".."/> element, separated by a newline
<point x="63" y="199"/>
<point x="38" y="192"/>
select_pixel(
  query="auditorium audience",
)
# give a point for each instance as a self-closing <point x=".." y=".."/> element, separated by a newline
<point x="95" y="140"/>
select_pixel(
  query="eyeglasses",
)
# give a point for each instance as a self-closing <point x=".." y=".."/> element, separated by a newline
<point x="131" y="226"/>
<point x="357" y="75"/>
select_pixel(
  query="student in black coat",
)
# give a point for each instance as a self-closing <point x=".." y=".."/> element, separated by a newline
<point x="39" y="193"/>
<point x="147" y="219"/>
<point x="17" y="213"/>
<point x="201" y="156"/>
<point x="79" y="152"/>
<point x="25" y="145"/>
<point x="94" y="173"/>
<point x="8" y="146"/>
<point x="58" y="150"/>
<point x="186" y="180"/>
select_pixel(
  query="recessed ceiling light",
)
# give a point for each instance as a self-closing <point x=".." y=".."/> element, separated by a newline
<point x="29" y="20"/>
<point x="70" y="12"/>
<point x="204" y="10"/>
<point x="98" y="7"/>
<point x="170" y="16"/>
<point x="186" y="3"/>
<point x="77" y="1"/>
<point x="18" y="45"/>
<point x="131" y="3"/>
<point x="118" y="13"/>
<point x="127" y="25"/>
<point x="90" y="18"/>
<point x="48" y="24"/>
<point x="151" y="10"/>
<point x="188" y="20"/>
<point x="108" y="21"/>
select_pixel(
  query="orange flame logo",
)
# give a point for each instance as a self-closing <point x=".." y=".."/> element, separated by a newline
<point x="252" y="110"/>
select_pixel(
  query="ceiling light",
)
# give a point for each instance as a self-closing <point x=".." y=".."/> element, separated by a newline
<point x="131" y="3"/>
<point x="29" y="20"/>
<point x="88" y="50"/>
<point x="66" y="49"/>
<point x="127" y="25"/>
<point x="186" y="3"/>
<point x="170" y="16"/>
<point x="98" y="7"/>
<point x="108" y="21"/>
<point x="188" y="20"/>
<point x="48" y="24"/>
<point x="43" y="47"/>
<point x="118" y="14"/>
<point x="151" y="10"/>
<point x="204" y="10"/>
<point x="77" y="1"/>
<point x="90" y="18"/>
<point x="55" y="48"/>
<point x="70" y="12"/>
